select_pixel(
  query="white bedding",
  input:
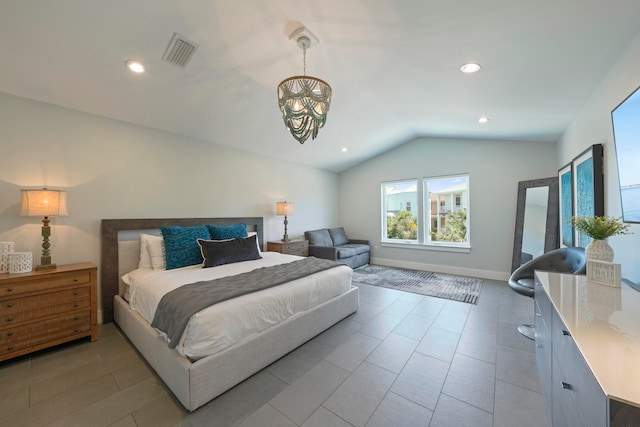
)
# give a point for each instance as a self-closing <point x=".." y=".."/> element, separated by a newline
<point x="228" y="322"/>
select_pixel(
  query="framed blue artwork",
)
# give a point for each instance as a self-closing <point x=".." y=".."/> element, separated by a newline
<point x="588" y="188"/>
<point x="566" y="205"/>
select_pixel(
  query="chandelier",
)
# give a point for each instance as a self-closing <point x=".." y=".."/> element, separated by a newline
<point x="304" y="100"/>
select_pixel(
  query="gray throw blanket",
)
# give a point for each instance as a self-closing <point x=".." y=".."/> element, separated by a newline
<point x="177" y="306"/>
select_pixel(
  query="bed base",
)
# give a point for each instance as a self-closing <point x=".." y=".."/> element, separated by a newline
<point x="196" y="383"/>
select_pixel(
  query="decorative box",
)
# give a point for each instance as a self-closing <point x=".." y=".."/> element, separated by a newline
<point x="5" y="249"/>
<point x="20" y="262"/>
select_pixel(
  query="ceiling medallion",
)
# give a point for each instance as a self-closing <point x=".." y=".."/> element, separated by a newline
<point x="304" y="100"/>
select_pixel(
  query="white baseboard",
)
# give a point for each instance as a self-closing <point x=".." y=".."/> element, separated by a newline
<point x="447" y="269"/>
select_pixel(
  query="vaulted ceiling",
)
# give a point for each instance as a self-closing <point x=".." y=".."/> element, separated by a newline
<point x="393" y="66"/>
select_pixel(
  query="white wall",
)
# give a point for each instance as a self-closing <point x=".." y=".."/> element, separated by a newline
<point x="593" y="126"/>
<point x="112" y="169"/>
<point x="495" y="168"/>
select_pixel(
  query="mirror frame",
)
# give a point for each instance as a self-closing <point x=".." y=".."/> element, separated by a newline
<point x="551" y="229"/>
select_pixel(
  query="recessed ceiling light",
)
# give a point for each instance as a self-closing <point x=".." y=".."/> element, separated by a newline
<point x="483" y="119"/>
<point x="470" y="67"/>
<point x="344" y="149"/>
<point x="134" y="66"/>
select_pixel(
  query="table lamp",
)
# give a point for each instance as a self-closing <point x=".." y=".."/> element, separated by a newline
<point x="284" y="208"/>
<point x="44" y="203"/>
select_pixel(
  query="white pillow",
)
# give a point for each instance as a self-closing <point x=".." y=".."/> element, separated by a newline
<point x="155" y="249"/>
<point x="254" y="233"/>
<point x="145" y="258"/>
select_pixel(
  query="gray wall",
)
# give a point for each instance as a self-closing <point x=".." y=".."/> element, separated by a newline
<point x="112" y="169"/>
<point x="593" y="126"/>
<point x="494" y="167"/>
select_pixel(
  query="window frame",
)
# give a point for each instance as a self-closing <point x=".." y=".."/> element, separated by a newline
<point x="427" y="210"/>
<point x="384" y="211"/>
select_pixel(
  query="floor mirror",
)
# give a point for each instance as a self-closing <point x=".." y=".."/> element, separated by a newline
<point x="536" y="229"/>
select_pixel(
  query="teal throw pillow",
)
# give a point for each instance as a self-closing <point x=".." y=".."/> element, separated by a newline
<point x="181" y="245"/>
<point x="226" y="232"/>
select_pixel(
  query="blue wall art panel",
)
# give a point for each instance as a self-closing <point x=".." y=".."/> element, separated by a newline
<point x="566" y="206"/>
<point x="588" y="188"/>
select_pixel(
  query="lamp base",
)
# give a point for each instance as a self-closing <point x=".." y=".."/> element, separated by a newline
<point x="45" y="267"/>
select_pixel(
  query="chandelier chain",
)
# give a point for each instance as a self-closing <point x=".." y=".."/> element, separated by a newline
<point x="304" y="61"/>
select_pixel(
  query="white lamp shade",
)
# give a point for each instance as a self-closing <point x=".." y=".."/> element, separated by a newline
<point x="284" y="208"/>
<point x="44" y="202"/>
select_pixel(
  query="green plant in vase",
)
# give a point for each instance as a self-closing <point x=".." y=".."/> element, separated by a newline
<point x="599" y="228"/>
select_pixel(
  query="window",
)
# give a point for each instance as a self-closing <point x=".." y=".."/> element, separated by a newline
<point x="431" y="212"/>
<point x="399" y="223"/>
<point x="447" y="210"/>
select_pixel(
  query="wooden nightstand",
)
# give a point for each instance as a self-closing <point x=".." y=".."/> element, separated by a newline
<point x="44" y="308"/>
<point x="292" y="247"/>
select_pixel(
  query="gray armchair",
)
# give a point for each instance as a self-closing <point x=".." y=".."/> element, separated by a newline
<point x="333" y="244"/>
<point x="563" y="260"/>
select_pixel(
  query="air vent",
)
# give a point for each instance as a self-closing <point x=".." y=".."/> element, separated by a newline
<point x="180" y="51"/>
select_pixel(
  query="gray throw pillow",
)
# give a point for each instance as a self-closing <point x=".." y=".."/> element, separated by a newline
<point x="339" y="236"/>
<point x="319" y="237"/>
<point x="219" y="252"/>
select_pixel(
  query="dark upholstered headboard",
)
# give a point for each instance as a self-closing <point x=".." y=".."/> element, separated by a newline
<point x="110" y="229"/>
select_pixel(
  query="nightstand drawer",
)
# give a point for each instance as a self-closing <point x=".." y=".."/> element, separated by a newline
<point x="14" y="311"/>
<point x="44" y="283"/>
<point x="297" y="248"/>
<point x="46" y="331"/>
<point x="292" y="247"/>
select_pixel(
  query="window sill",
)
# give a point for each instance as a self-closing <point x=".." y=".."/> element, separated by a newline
<point x="423" y="247"/>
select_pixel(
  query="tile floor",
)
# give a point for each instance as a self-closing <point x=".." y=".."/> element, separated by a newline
<point x="401" y="360"/>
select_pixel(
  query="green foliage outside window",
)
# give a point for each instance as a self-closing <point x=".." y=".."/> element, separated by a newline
<point x="402" y="226"/>
<point x="455" y="229"/>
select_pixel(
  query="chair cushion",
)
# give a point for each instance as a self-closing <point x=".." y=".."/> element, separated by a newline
<point x="319" y="237"/>
<point x="525" y="287"/>
<point x="349" y="250"/>
<point x="563" y="260"/>
<point x="338" y="236"/>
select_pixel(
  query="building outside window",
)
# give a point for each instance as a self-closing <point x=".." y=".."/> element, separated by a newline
<point x="447" y="210"/>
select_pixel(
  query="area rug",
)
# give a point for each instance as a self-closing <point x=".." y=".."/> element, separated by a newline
<point x="449" y="286"/>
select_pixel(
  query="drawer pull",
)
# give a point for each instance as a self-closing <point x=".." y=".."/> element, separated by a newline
<point x="9" y="348"/>
<point x="566" y="386"/>
<point x="76" y="330"/>
<point x="538" y="314"/>
<point x="9" y="290"/>
<point x="9" y="305"/>
<point x="75" y="305"/>
<point x="538" y="345"/>
<point x="75" y="279"/>
<point x="10" y="334"/>
<point x="9" y="319"/>
<point x="76" y="292"/>
<point x="566" y="333"/>
<point x="75" y="318"/>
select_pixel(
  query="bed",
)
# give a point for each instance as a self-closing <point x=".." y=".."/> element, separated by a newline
<point x="197" y="379"/>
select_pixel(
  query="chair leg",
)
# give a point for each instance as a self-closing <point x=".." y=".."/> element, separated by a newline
<point x="528" y="331"/>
